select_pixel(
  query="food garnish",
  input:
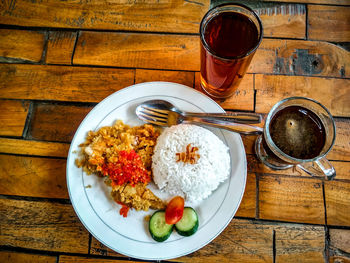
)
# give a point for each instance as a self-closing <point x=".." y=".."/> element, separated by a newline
<point x="185" y="220"/>
<point x="128" y="169"/>
<point x="190" y="156"/>
<point x="158" y="228"/>
<point x="174" y="210"/>
<point x="188" y="225"/>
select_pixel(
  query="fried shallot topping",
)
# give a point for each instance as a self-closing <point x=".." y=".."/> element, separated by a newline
<point x="190" y="156"/>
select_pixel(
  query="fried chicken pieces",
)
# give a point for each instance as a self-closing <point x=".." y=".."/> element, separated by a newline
<point x="103" y="146"/>
<point x="138" y="197"/>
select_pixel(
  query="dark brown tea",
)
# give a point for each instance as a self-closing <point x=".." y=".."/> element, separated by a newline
<point x="298" y="132"/>
<point x="227" y="40"/>
<point x="231" y="34"/>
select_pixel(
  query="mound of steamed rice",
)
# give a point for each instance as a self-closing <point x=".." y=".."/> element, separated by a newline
<point x="194" y="182"/>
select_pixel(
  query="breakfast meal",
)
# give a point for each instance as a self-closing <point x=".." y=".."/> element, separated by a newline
<point x="185" y="161"/>
<point x="202" y="162"/>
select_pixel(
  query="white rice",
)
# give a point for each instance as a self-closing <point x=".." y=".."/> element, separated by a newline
<point x="194" y="182"/>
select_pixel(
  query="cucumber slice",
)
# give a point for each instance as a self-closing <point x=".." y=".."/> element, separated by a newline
<point x="159" y="229"/>
<point x="188" y="225"/>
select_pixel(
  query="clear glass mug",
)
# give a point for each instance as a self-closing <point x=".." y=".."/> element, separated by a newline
<point x="272" y="156"/>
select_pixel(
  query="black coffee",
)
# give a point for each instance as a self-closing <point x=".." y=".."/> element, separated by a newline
<point x="298" y="132"/>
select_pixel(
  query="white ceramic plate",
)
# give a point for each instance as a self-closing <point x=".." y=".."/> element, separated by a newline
<point x="130" y="236"/>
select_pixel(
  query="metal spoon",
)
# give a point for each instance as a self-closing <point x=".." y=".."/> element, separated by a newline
<point x="164" y="113"/>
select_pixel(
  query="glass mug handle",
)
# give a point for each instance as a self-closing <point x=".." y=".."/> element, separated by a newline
<point x="319" y="168"/>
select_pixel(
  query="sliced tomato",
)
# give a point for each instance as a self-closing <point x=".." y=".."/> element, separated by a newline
<point x="174" y="210"/>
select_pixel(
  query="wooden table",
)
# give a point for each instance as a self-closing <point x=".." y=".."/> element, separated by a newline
<point x="60" y="58"/>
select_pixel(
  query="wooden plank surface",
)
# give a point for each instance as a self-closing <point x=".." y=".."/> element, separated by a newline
<point x="42" y="225"/>
<point x="61" y="83"/>
<point x="60" y="47"/>
<point x="149" y="15"/>
<point x="49" y="122"/>
<point x="281" y="20"/>
<point x="300" y="243"/>
<point x="291" y="57"/>
<point x="58" y="59"/>
<point x="247" y="207"/>
<point x="334" y="94"/>
<point x="33" y="176"/>
<point x="182" y="77"/>
<point x="292" y="199"/>
<point x="21" y="45"/>
<point x="156" y="51"/>
<point x="342" y="169"/>
<point x="325" y="2"/>
<point x="341" y="148"/>
<point x="97" y="248"/>
<point x="11" y="257"/>
<point x="297" y="57"/>
<point x="30" y="147"/>
<point x="340" y="239"/>
<point x="13" y="115"/>
<point x="337" y="196"/>
<point x="326" y="19"/>
<point x="234" y="245"/>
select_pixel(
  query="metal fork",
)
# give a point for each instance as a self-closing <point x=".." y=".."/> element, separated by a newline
<point x="167" y="118"/>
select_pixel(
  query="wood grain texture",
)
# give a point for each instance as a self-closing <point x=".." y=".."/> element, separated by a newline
<point x="21" y="45"/>
<point x="42" y="225"/>
<point x="334" y="94"/>
<point x="13" y="115"/>
<point x="97" y="248"/>
<point x="61" y="83"/>
<point x="247" y="207"/>
<point x="255" y="166"/>
<point x="342" y="169"/>
<point x="56" y="122"/>
<point x="330" y="2"/>
<point x="339" y="259"/>
<point x="340" y="239"/>
<point x="148" y="15"/>
<point x="297" y="57"/>
<point x="181" y="52"/>
<point x="243" y="97"/>
<point x="291" y="199"/>
<point x="182" y="77"/>
<point x="329" y="23"/>
<point x="337" y="196"/>
<point x="300" y="243"/>
<point x="282" y="20"/>
<point x="60" y="47"/>
<point x="341" y="148"/>
<point x="136" y="50"/>
<point x="11" y="257"/>
<point x="38" y="148"/>
<point x="33" y="176"/>
<point x="241" y="241"/>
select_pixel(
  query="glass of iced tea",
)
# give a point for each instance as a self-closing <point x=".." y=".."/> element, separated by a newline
<point x="298" y="131"/>
<point x="230" y="35"/>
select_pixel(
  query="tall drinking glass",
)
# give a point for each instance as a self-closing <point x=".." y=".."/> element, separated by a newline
<point x="230" y="35"/>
